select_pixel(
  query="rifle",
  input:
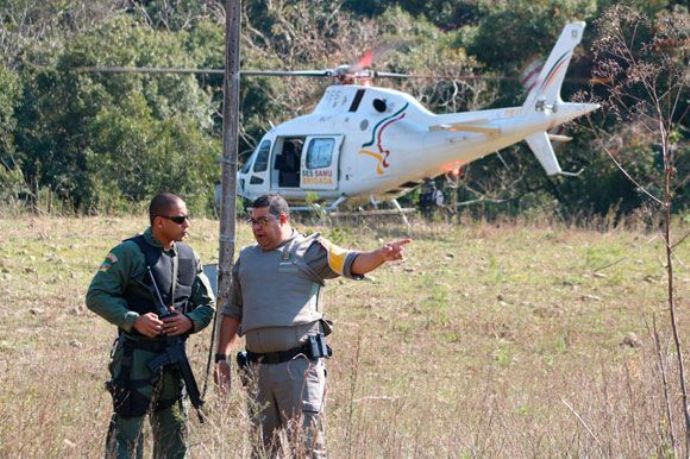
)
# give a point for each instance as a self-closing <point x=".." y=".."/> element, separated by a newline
<point x="174" y="353"/>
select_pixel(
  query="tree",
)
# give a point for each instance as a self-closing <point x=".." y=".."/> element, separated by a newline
<point x="95" y="138"/>
<point x="644" y="62"/>
<point x="26" y="24"/>
<point x="9" y="96"/>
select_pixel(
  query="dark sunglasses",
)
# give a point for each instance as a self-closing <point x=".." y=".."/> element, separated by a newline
<point x="179" y="219"/>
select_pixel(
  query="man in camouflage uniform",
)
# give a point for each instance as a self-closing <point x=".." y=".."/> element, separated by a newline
<point x="276" y="304"/>
<point x="121" y="293"/>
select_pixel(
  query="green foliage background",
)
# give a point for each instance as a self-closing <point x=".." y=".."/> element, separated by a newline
<point x="99" y="142"/>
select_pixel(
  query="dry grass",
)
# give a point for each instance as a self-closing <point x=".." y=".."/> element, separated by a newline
<point x="491" y="340"/>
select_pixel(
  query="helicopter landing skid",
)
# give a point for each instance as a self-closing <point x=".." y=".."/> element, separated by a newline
<point x="332" y="211"/>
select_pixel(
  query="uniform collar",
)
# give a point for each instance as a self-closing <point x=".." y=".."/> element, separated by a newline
<point x="290" y="238"/>
<point x="151" y="240"/>
<point x="284" y="242"/>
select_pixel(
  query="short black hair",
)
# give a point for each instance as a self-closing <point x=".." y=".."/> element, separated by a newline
<point x="276" y="204"/>
<point x="161" y="204"/>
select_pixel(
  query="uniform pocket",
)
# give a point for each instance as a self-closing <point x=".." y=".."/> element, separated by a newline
<point x="130" y="385"/>
<point x="314" y="387"/>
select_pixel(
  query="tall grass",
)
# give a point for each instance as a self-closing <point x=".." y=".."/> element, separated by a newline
<point x="503" y="339"/>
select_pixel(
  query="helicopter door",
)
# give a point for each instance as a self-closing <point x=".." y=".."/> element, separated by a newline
<point x="320" y="163"/>
<point x="288" y="161"/>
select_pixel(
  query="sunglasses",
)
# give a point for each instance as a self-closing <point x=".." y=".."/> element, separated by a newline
<point x="179" y="219"/>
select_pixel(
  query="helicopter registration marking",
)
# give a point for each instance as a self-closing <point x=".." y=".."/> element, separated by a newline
<point x="382" y="154"/>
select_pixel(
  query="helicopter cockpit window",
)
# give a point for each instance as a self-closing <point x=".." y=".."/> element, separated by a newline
<point x="320" y="153"/>
<point x="261" y="163"/>
<point x="247" y="164"/>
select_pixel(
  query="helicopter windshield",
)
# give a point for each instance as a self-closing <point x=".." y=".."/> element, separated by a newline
<point x="248" y="163"/>
<point x="259" y="158"/>
<point x="261" y="163"/>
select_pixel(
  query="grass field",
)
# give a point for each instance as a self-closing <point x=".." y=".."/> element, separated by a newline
<point x="510" y="340"/>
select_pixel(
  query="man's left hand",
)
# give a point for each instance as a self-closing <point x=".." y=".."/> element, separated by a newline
<point x="177" y="324"/>
<point x="394" y="250"/>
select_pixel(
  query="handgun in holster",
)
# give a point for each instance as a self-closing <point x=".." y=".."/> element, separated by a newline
<point x="317" y="347"/>
<point x="243" y="367"/>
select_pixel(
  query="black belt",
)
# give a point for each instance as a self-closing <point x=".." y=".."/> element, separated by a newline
<point x="314" y="348"/>
<point x="276" y="357"/>
<point x="150" y="345"/>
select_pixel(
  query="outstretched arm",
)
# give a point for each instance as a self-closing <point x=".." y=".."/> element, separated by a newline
<point x="369" y="261"/>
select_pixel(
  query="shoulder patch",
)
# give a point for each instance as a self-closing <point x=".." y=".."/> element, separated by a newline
<point x="108" y="263"/>
<point x="336" y="256"/>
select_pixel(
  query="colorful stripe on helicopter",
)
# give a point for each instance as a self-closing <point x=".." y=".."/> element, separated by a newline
<point x="554" y="71"/>
<point x="382" y="154"/>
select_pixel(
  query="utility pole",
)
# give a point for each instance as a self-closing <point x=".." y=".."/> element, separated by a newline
<point x="231" y="107"/>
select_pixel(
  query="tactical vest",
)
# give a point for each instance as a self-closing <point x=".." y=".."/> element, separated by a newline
<point x="162" y="267"/>
<point x="278" y="287"/>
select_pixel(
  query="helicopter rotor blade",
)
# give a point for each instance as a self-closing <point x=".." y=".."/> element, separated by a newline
<point x="147" y="70"/>
<point x="398" y="75"/>
<point x="422" y="76"/>
<point x="177" y="70"/>
<point x="282" y="73"/>
<point x="288" y="73"/>
<point x="312" y="73"/>
<point x="471" y="77"/>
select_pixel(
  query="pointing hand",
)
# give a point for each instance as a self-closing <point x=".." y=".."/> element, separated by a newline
<point x="394" y="250"/>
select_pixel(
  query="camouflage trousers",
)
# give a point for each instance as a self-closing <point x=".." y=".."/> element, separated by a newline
<point x="162" y="403"/>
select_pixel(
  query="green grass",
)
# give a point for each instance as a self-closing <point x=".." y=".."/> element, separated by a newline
<point x="488" y="341"/>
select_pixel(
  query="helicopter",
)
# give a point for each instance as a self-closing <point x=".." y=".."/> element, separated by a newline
<point x="366" y="143"/>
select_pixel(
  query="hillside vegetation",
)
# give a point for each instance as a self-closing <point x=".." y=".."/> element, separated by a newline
<point x="490" y="340"/>
<point x="81" y="142"/>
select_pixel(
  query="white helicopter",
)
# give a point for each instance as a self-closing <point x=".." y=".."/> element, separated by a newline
<point x="363" y="143"/>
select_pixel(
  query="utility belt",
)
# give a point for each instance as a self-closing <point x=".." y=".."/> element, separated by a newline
<point x="314" y="348"/>
<point x="151" y="345"/>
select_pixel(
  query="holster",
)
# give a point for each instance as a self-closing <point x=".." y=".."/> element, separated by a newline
<point x="243" y="367"/>
<point x="127" y="401"/>
<point x="317" y="347"/>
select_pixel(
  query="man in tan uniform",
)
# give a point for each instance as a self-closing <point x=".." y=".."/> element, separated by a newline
<point x="276" y="304"/>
